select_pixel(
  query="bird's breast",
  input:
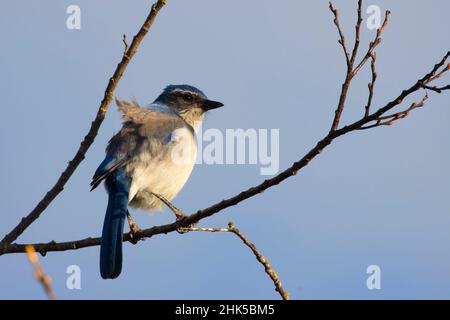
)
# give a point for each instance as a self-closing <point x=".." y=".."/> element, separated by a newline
<point x="164" y="172"/>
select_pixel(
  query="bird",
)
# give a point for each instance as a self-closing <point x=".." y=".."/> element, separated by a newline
<point x="149" y="159"/>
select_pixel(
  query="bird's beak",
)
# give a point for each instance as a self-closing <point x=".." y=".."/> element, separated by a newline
<point x="210" y="104"/>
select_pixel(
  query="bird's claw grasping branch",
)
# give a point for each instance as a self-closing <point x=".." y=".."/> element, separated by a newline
<point x="179" y="214"/>
<point x="134" y="229"/>
<point x="373" y="44"/>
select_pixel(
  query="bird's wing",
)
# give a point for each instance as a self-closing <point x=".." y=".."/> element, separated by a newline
<point x="108" y="166"/>
<point x="144" y="130"/>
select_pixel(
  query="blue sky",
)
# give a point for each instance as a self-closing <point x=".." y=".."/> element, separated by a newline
<point x="374" y="197"/>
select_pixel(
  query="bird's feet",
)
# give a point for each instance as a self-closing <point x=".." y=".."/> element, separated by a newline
<point x="179" y="214"/>
<point x="134" y="229"/>
<point x="182" y="230"/>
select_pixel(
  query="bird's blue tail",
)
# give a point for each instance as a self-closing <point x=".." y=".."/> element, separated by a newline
<point x="118" y="186"/>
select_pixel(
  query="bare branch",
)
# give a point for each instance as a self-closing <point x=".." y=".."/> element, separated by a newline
<point x="436" y="89"/>
<point x="92" y="133"/>
<point x="134" y="229"/>
<point x="341" y="34"/>
<point x="439" y="75"/>
<point x="125" y="44"/>
<point x="389" y="120"/>
<point x="351" y="61"/>
<point x="371" y="85"/>
<point x="348" y="77"/>
<point x="357" y="34"/>
<point x="39" y="275"/>
<point x="269" y="270"/>
<point x="373" y="44"/>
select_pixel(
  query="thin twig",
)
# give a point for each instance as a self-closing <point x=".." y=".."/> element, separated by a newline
<point x="341" y="34"/>
<point x="390" y="119"/>
<point x="357" y="33"/>
<point x="373" y="44"/>
<point x="184" y="223"/>
<point x="371" y="85"/>
<point x="272" y="274"/>
<point x="125" y="44"/>
<point x="197" y="229"/>
<point x="402" y="114"/>
<point x="92" y="133"/>
<point x="439" y="75"/>
<point x="269" y="270"/>
<point x="39" y="275"/>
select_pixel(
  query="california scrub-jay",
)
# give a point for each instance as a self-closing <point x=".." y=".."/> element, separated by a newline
<point x="153" y="153"/>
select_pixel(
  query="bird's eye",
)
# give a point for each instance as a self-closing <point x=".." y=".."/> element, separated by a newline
<point x="187" y="97"/>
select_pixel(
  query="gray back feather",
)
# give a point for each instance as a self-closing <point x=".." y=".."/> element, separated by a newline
<point x="143" y="130"/>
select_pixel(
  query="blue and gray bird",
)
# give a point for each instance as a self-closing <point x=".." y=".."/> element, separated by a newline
<point x="153" y="153"/>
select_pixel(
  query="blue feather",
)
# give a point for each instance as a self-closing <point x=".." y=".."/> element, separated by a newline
<point x="107" y="167"/>
<point x="118" y="186"/>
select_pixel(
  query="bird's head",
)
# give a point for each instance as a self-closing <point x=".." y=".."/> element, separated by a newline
<point x="187" y="101"/>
